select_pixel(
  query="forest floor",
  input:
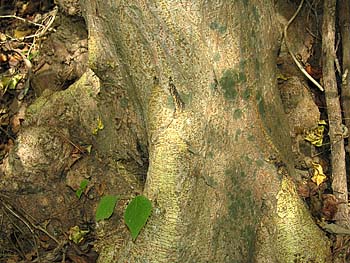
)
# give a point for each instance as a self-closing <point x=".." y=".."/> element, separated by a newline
<point x="42" y="51"/>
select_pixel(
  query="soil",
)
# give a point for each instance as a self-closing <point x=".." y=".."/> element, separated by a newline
<point x="41" y="213"/>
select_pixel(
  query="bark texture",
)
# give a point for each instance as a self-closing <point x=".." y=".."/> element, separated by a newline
<point x="344" y="22"/>
<point x="220" y="175"/>
<point x="339" y="184"/>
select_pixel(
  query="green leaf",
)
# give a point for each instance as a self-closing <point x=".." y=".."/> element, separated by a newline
<point x="82" y="187"/>
<point x="14" y="81"/>
<point x="136" y="214"/>
<point x="76" y="234"/>
<point x="105" y="207"/>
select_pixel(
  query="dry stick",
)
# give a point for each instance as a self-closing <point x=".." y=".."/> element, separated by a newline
<point x="339" y="183"/>
<point x="22" y="19"/>
<point x="27" y="222"/>
<point x="292" y="54"/>
<point x="344" y="22"/>
<point x="47" y="22"/>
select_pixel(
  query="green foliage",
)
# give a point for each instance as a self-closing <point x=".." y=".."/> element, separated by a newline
<point x="82" y="187"/>
<point x="76" y="234"/>
<point x="136" y="214"/>
<point x="105" y="207"/>
<point x="9" y="83"/>
<point x="32" y="55"/>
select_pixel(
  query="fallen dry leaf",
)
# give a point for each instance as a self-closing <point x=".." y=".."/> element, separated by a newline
<point x="330" y="206"/>
<point x="318" y="176"/>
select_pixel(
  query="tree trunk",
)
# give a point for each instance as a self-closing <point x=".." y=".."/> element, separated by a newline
<point x="219" y="175"/>
<point x="196" y="82"/>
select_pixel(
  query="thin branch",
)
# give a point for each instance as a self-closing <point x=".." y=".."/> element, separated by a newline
<point x="31" y="226"/>
<point x="46" y="24"/>
<point x="292" y="54"/>
<point x="22" y="19"/>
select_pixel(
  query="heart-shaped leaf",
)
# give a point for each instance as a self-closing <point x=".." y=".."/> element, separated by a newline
<point x="136" y="214"/>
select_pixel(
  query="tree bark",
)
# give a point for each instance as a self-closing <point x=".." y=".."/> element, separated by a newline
<point x="219" y="173"/>
<point x="339" y="184"/>
<point x="344" y="22"/>
<point x="196" y="81"/>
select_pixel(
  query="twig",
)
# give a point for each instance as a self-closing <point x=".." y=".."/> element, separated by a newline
<point x="312" y="34"/>
<point x="8" y="135"/>
<point x="292" y="54"/>
<point x="31" y="226"/>
<point x="29" y="67"/>
<point x="22" y="19"/>
<point x="48" y="21"/>
<point x="64" y="137"/>
<point x="46" y="24"/>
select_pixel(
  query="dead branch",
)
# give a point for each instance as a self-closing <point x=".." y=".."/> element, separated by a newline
<point x="296" y="61"/>
<point x="46" y="24"/>
<point x="339" y="183"/>
<point x="344" y="22"/>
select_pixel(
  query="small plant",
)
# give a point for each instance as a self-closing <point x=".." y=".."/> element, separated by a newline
<point x="82" y="187"/>
<point x="136" y="213"/>
<point x="105" y="207"/>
